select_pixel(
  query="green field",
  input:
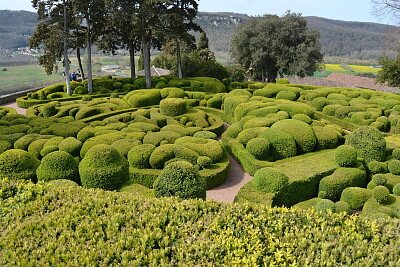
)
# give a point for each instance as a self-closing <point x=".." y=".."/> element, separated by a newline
<point x="346" y="69"/>
<point x="24" y="77"/>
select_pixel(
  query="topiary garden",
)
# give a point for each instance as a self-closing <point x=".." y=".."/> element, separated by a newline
<point x="320" y="149"/>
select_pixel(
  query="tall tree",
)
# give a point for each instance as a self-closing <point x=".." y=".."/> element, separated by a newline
<point x="273" y="46"/>
<point x="52" y="15"/>
<point x="121" y="29"/>
<point x="180" y="20"/>
<point x="150" y="21"/>
<point x="93" y="17"/>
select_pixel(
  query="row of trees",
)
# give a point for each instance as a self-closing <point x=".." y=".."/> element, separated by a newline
<point x="136" y="25"/>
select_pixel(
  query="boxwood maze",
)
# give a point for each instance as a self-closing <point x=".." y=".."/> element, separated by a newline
<point x="307" y="146"/>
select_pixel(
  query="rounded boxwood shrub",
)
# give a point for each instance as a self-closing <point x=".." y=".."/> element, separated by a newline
<point x="333" y="185"/>
<point x="394" y="166"/>
<point x="158" y="137"/>
<point x="396" y="153"/>
<point x="369" y="142"/>
<point x="173" y="107"/>
<point x="160" y="155"/>
<point x="282" y="144"/>
<point x="326" y="137"/>
<point x="103" y="167"/>
<point x="248" y="134"/>
<point x="70" y="145"/>
<point x="346" y="156"/>
<point x="381" y="194"/>
<point x="180" y="179"/>
<point x="204" y="161"/>
<point x="269" y="180"/>
<point x="379" y="179"/>
<point x="356" y="197"/>
<point x="205" y="135"/>
<point x="303" y="117"/>
<point x="259" y="148"/>
<point x="4" y="146"/>
<point x="58" y="165"/>
<point x="62" y="183"/>
<point x="342" y="206"/>
<point x="80" y="90"/>
<point x="288" y="95"/>
<point x="376" y="167"/>
<point x="186" y="154"/>
<point x="301" y="132"/>
<point x="324" y="205"/>
<point x="139" y="156"/>
<point x="396" y="190"/>
<point x="18" y="164"/>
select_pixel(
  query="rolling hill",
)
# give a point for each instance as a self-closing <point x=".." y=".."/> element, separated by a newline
<point x="355" y="40"/>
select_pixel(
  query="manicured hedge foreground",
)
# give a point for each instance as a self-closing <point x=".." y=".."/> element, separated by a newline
<point x="44" y="225"/>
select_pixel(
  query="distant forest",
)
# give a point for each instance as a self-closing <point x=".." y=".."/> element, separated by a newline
<point x="350" y="40"/>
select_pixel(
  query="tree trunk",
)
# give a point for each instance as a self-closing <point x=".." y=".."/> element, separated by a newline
<point x="89" y="61"/>
<point x="272" y="77"/>
<point x="66" y="62"/>
<point x="178" y="57"/>
<point x="78" y="56"/>
<point x="132" y="60"/>
<point x="146" y="55"/>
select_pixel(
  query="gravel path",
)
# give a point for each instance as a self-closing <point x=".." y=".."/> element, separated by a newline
<point x="225" y="192"/>
<point x="14" y="105"/>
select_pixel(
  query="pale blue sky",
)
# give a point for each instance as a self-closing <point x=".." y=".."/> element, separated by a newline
<point x="351" y="10"/>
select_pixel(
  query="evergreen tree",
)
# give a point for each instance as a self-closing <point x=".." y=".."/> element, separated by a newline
<point x="273" y="45"/>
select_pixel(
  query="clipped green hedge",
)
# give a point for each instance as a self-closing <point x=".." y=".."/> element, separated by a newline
<point x="103" y="167"/>
<point x="180" y="179"/>
<point x="166" y="231"/>
<point x="18" y="164"/>
<point x="58" y="165"/>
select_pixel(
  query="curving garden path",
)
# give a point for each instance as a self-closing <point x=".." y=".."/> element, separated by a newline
<point x="225" y="192"/>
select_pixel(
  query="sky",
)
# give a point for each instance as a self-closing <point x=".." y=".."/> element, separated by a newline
<point x="349" y="10"/>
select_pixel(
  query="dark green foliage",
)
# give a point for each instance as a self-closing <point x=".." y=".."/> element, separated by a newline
<point x="48" y="109"/>
<point x="259" y="148"/>
<point x="356" y="197"/>
<point x="173" y="107"/>
<point x="58" y="95"/>
<point x="301" y="132"/>
<point x="18" y="164"/>
<point x="324" y="205"/>
<point x="70" y="145"/>
<point x="381" y="194"/>
<point x="388" y="73"/>
<point x="58" y="165"/>
<point x="270" y="180"/>
<point x="160" y="155"/>
<point x="369" y="142"/>
<point x="346" y="156"/>
<point x="139" y="156"/>
<point x="246" y="135"/>
<point x="214" y="102"/>
<point x="394" y="166"/>
<point x="396" y="190"/>
<point x="326" y="137"/>
<point x="282" y="144"/>
<point x="180" y="179"/>
<point x="331" y="186"/>
<point x="86" y="112"/>
<point x="103" y="167"/>
<point x="204" y="147"/>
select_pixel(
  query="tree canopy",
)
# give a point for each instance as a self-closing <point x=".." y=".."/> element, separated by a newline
<point x="271" y="45"/>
